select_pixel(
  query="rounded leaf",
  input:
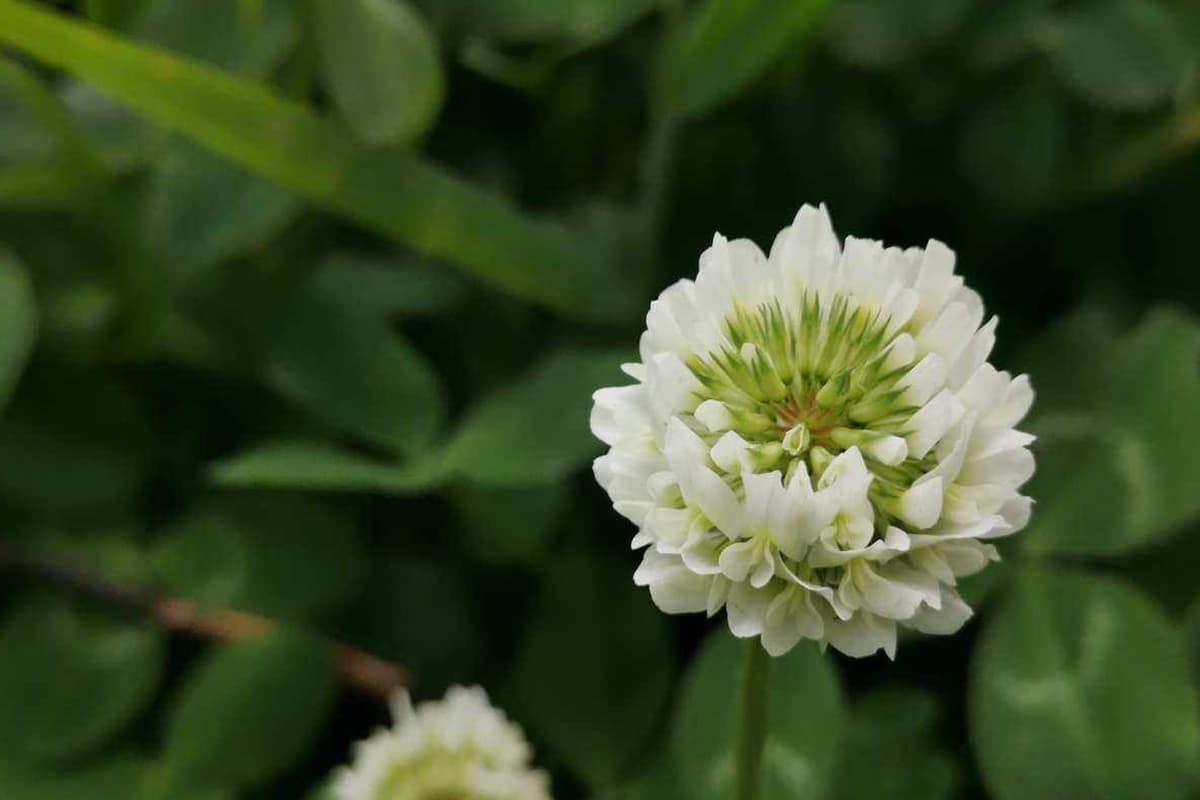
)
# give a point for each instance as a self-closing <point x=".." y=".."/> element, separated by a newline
<point x="1124" y="55"/>
<point x="381" y="64"/>
<point x="536" y="429"/>
<point x="1080" y="689"/>
<point x="249" y="711"/>
<point x="70" y="680"/>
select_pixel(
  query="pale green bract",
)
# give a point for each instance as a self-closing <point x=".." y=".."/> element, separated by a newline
<point x="816" y="441"/>
<point x="460" y="747"/>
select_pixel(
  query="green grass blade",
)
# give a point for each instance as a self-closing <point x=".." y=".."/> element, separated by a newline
<point x="393" y="192"/>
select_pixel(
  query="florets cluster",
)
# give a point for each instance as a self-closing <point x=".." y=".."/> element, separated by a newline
<point x="816" y="441"/>
<point x="460" y="747"/>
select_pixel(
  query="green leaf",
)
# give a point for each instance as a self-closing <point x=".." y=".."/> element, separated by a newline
<point x="381" y="63"/>
<point x="595" y="691"/>
<point x="1122" y="55"/>
<point x="706" y="60"/>
<point x="530" y="433"/>
<point x="535" y="430"/>
<point x="298" y="464"/>
<point x="1013" y="147"/>
<point x="250" y="37"/>
<point x="419" y="612"/>
<point x="202" y="210"/>
<point x="509" y="526"/>
<point x="351" y="371"/>
<point x="1116" y="458"/>
<point x="882" y="34"/>
<point x="1080" y="688"/>
<point x="575" y="22"/>
<point x="119" y="777"/>
<point x="18" y="322"/>
<point x="282" y="556"/>
<point x="918" y="770"/>
<point x="69" y="681"/>
<point x="804" y="722"/>
<point x="659" y="782"/>
<point x="387" y="284"/>
<point x="390" y="191"/>
<point x="249" y="711"/>
<point x="72" y="442"/>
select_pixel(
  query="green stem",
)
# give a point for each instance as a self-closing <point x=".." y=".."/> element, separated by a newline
<point x="752" y="723"/>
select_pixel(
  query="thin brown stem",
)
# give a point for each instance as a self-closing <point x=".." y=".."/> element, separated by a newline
<point x="358" y="669"/>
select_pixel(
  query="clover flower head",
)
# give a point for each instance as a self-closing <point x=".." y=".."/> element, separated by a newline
<point x="460" y="747"/>
<point x="816" y="442"/>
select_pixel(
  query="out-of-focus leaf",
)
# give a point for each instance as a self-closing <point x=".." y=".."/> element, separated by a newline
<point x="70" y="680"/>
<point x="575" y="22"/>
<point x="1191" y="633"/>
<point x="508" y="526"/>
<point x="44" y="161"/>
<point x="387" y="284"/>
<point x="1053" y="714"/>
<point x="353" y="372"/>
<point x="248" y="37"/>
<point x="535" y="430"/>
<point x="707" y="60"/>
<point x="119" y="777"/>
<point x="121" y="140"/>
<point x="381" y="64"/>
<point x="113" y="13"/>
<point x="299" y="464"/>
<point x="659" y="782"/>
<point x="1012" y="147"/>
<point x="72" y="442"/>
<point x="1123" y="55"/>
<point x="249" y="711"/>
<point x="530" y="433"/>
<point x="804" y="722"/>
<point x="203" y="210"/>
<point x="917" y="770"/>
<point x="1006" y="32"/>
<point x="390" y="191"/>
<point x="18" y="321"/>
<point x="879" y="34"/>
<point x="595" y="691"/>
<point x="420" y="614"/>
<point x="1117" y="458"/>
<point x="285" y="557"/>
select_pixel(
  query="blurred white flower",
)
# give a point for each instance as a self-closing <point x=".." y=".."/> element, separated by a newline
<point x="460" y="747"/>
<point x="816" y="441"/>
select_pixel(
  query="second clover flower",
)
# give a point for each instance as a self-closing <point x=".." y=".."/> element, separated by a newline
<point x="816" y="441"/>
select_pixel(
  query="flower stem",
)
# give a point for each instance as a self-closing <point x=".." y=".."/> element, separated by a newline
<point x="752" y="724"/>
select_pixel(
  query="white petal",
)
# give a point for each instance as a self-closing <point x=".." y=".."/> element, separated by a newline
<point x="674" y="588"/>
<point x="921" y="505"/>
<point x="930" y="424"/>
<point x="862" y="635"/>
<point x="924" y="380"/>
<point x="738" y="559"/>
<point x="714" y="415"/>
<point x="714" y="497"/>
<point x="746" y="609"/>
<point x="729" y="453"/>
<point x="948" y="619"/>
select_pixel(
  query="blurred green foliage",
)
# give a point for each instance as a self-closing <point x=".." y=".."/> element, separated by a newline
<point x="302" y="304"/>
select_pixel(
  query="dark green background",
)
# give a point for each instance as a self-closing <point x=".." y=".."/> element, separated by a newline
<point x="325" y="354"/>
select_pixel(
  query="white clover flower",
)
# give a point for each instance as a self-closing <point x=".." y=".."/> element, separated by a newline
<point x="816" y="440"/>
<point x="460" y="747"/>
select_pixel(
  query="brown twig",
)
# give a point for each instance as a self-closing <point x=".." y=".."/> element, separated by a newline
<point x="357" y="669"/>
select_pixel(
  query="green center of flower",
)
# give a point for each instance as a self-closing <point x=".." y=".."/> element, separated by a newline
<point x="805" y="386"/>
